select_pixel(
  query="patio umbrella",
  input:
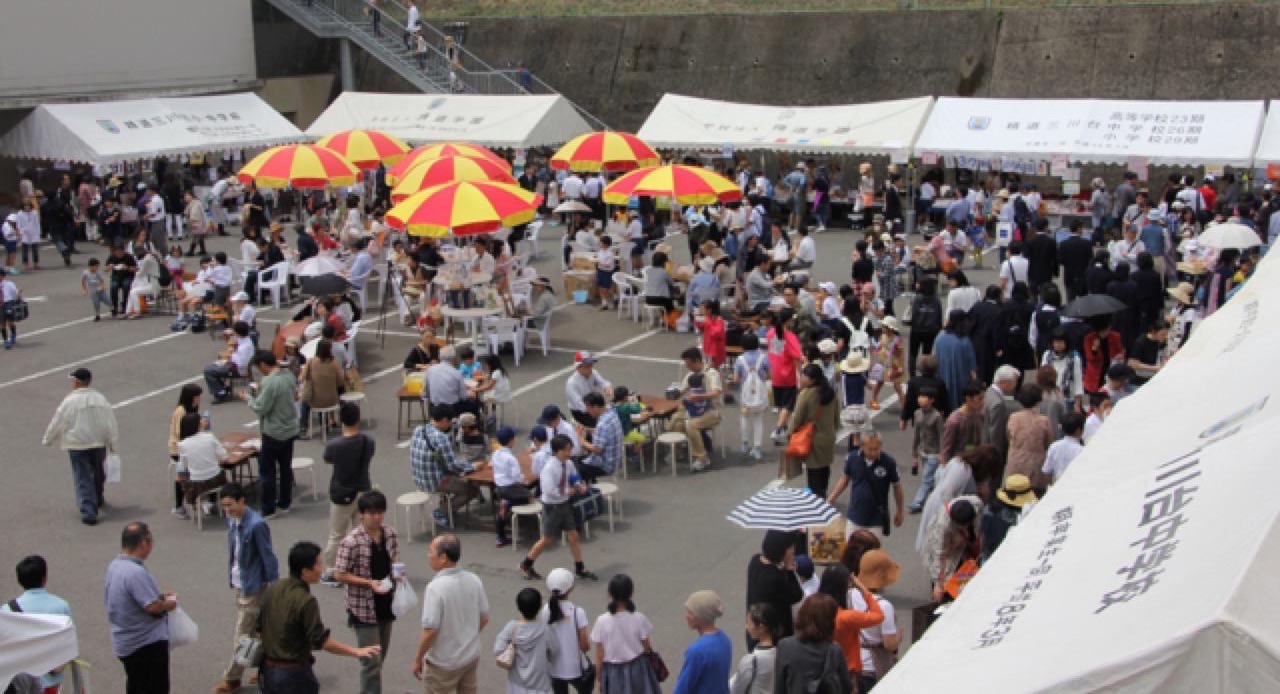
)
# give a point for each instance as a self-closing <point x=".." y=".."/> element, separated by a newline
<point x="451" y="149"/>
<point x="1091" y="305"/>
<point x="324" y="285"/>
<point x="688" y="185"/>
<point x="1229" y="235"/>
<point x="783" y="508"/>
<point x="299" y="166"/>
<point x="318" y="265"/>
<point x="604" y="151"/>
<point x="571" y="206"/>
<point x="428" y="173"/>
<point x="464" y="207"/>
<point x="366" y="148"/>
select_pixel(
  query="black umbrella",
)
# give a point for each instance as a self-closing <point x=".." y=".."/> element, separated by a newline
<point x="324" y="285"/>
<point x="1094" y="305"/>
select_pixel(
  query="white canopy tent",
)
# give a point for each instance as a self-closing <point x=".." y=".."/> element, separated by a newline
<point x="1150" y="567"/>
<point x="1095" y="130"/>
<point x="34" y="644"/>
<point x="107" y="132"/>
<point x="884" y="127"/>
<point x="516" y="121"/>
<point x="1268" y="152"/>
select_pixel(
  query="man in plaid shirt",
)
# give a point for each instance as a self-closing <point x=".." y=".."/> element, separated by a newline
<point x="604" y="451"/>
<point x="364" y="562"/>
<point x="433" y="465"/>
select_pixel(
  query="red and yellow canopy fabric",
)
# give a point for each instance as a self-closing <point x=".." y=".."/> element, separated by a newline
<point x="687" y="185"/>
<point x="604" y="151"/>
<point x="448" y="149"/>
<point x="464" y="207"/>
<point x="299" y="166"/>
<point x="428" y="173"/>
<point x="366" y="148"/>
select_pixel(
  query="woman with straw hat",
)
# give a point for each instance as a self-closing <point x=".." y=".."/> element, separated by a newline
<point x="877" y="571"/>
<point x="1184" y="316"/>
<point x="1011" y="502"/>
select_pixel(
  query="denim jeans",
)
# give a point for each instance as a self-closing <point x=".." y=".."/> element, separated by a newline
<point x="89" y="475"/>
<point x="929" y="463"/>
<point x="276" y="457"/>
<point x="371" y="668"/>
<point x="217" y="378"/>
<point x="119" y="292"/>
<point x="293" y="680"/>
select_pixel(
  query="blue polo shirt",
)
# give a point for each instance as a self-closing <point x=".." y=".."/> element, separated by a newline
<point x="869" y="485"/>
<point x="130" y="588"/>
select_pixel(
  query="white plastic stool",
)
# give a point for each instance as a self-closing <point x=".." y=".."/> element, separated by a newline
<point x="197" y="513"/>
<point x="673" y="439"/>
<point x="408" y="502"/>
<point x="533" y="508"/>
<point x="321" y="412"/>
<point x="655" y="312"/>
<point x="310" y="466"/>
<point x="610" y="492"/>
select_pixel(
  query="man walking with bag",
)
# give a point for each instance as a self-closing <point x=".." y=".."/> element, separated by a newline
<point x="350" y="456"/>
<point x="253" y="567"/>
<point x="365" y="560"/>
<point x="85" y="427"/>
<point x="278" y="426"/>
<point x="138" y="613"/>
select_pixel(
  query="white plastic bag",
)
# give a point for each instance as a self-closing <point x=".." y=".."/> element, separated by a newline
<point x="404" y="599"/>
<point x="113" y="468"/>
<point x="183" y="630"/>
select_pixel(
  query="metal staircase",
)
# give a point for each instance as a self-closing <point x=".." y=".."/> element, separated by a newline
<point x="351" y="20"/>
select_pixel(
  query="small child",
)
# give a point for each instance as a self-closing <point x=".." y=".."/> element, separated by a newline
<point x="714" y="333"/>
<point x="696" y="408"/>
<point x="473" y="445"/>
<point x="467" y="362"/>
<point x="807" y="574"/>
<point x="93" y="286"/>
<point x="890" y="366"/>
<point x="605" y="265"/>
<point x="11" y="237"/>
<point x="9" y="297"/>
<point x="1065" y="450"/>
<point x="1101" y="407"/>
<point x="175" y="266"/>
<point x="926" y="444"/>
<point x="535" y="647"/>
<point x="626" y="408"/>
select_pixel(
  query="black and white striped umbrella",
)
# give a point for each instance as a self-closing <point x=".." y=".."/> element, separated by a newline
<point x="783" y="508"/>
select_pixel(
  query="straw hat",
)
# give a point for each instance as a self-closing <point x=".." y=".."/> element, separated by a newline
<point x="1184" y="292"/>
<point x="828" y="346"/>
<point x="895" y="324"/>
<point x="877" y="570"/>
<point x="855" y="363"/>
<point x="1016" y="491"/>
<point x="1192" y="268"/>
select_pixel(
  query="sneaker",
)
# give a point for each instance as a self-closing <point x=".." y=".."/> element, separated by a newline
<point x="89" y="521"/>
<point x="282" y="512"/>
<point x="440" y="519"/>
<point x="588" y="574"/>
<point x="97" y="318"/>
<point x="527" y="571"/>
<point x="701" y="464"/>
<point x="757" y="454"/>
<point x="270" y="516"/>
<point x="914" y="510"/>
<point x="178" y="325"/>
<point x="503" y="542"/>
<point x="181" y="512"/>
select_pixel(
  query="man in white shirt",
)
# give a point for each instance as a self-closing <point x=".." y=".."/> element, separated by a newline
<point x="484" y="261"/>
<point x="411" y="25"/>
<point x="583" y="380"/>
<point x="217" y="375"/>
<point x="571" y="189"/>
<point x="220" y="277"/>
<point x="806" y="253"/>
<point x="1013" y="269"/>
<point x="1066" y="449"/>
<point x="454" y="612"/>
<point x="553" y="421"/>
<point x="591" y="191"/>
<point x="156" y="221"/>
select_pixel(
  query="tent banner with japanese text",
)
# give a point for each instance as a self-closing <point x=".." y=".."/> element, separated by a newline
<point x="1151" y="565"/>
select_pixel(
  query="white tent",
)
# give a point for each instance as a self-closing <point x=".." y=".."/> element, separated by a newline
<point x="494" y="121"/>
<point x="1095" y="130"/>
<point x="1151" y="565"/>
<point x="106" y="132"/>
<point x="1268" y="151"/>
<point x="884" y="127"/>
<point x="34" y="644"/>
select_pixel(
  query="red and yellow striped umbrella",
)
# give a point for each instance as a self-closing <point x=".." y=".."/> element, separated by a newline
<point x="464" y="207"/>
<point x="604" y="151"/>
<point x="299" y="166"/>
<point x="448" y="149"/>
<point x="428" y="173"/>
<point x="366" y="148"/>
<point x="687" y="185"/>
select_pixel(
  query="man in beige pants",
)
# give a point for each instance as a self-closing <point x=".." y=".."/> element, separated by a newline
<point x="702" y="399"/>
<point x="350" y="456"/>
<point x="252" y="568"/>
<point x="454" y="612"/>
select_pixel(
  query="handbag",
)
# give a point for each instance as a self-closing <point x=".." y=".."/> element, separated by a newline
<point x="961" y="577"/>
<point x="112" y="468"/>
<point x="507" y="658"/>
<point x="19" y="310"/>
<point x="659" y="666"/>
<point x="800" y="445"/>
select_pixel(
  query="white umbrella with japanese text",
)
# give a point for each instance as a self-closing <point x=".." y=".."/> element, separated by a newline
<point x="1151" y="565"/>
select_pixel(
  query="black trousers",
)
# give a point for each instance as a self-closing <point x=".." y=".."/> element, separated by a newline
<point x="276" y="458"/>
<point x="817" y="479"/>
<point x="146" y="670"/>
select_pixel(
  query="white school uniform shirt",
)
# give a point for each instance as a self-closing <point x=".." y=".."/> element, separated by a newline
<point x="605" y="260"/>
<point x="506" y="468"/>
<point x="11" y="231"/>
<point x="807" y="252"/>
<point x="550" y="482"/>
<point x="29" y="225"/>
<point x="8" y="291"/>
<point x="248" y="315"/>
<point x="1060" y="455"/>
<point x="155" y="208"/>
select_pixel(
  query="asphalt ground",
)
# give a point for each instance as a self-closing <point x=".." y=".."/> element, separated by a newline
<point x="674" y="538"/>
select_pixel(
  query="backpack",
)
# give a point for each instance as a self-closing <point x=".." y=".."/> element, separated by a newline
<point x="1046" y="323"/>
<point x="858" y="338"/>
<point x="166" y="277"/>
<point x="754" y="394"/>
<point x="1021" y="213"/>
<point x="926" y="316"/>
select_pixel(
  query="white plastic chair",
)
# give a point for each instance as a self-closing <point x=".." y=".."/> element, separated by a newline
<point x="273" y="280"/>
<point x="627" y="296"/>
<point x="531" y="236"/>
<point x="543" y="333"/>
<point x="499" y="331"/>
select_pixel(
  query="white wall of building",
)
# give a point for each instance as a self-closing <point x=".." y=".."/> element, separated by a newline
<point x="56" y="50"/>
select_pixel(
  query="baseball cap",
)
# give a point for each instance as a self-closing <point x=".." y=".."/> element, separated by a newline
<point x="467" y="419"/>
<point x="506" y="435"/>
<point x="538" y="433"/>
<point x="581" y="358"/>
<point x="549" y="413"/>
<point x="240" y="296"/>
<point x="82" y="375"/>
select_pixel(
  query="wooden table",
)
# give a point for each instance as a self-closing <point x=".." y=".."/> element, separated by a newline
<point x="238" y="465"/>
<point x="485" y="477"/>
<point x="662" y="408"/>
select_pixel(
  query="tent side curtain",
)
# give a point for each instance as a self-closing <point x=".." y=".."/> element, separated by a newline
<point x="1095" y="130"/>
<point x="1123" y="578"/>
<point x="107" y="132"/>
<point x="494" y="121"/>
<point x="884" y="127"/>
<point x="1268" y="151"/>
